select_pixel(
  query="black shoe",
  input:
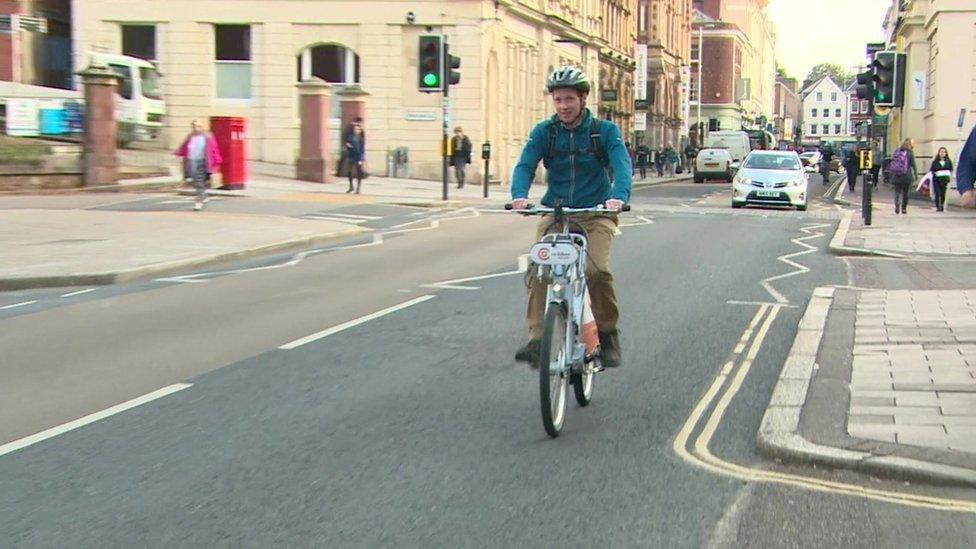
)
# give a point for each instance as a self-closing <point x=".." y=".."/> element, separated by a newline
<point x="610" y="349"/>
<point x="529" y="353"/>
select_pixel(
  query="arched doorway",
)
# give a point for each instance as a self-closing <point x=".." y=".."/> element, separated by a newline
<point x="334" y="63"/>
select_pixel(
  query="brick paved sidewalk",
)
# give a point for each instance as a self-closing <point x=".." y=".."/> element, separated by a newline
<point x="922" y="231"/>
<point x="913" y="379"/>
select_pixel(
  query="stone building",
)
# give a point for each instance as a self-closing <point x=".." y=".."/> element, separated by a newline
<point x="244" y="58"/>
<point x="664" y="26"/>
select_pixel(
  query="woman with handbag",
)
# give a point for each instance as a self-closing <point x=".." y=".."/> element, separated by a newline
<point x="941" y="175"/>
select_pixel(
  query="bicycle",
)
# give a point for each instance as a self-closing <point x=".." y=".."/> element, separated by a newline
<point x="569" y="350"/>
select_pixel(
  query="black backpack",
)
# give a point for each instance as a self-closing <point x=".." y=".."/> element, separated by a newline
<point x="595" y="142"/>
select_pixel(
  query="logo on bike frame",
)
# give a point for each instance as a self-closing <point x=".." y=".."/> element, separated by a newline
<point x="560" y="253"/>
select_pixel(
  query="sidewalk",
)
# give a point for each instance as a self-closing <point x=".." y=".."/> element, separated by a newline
<point x="884" y="381"/>
<point x="72" y="247"/>
<point x="922" y="232"/>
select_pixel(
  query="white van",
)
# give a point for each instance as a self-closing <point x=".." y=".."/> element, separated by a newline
<point x="736" y="142"/>
<point x="141" y="110"/>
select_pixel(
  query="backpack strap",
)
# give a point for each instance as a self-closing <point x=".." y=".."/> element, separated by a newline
<point x="598" y="150"/>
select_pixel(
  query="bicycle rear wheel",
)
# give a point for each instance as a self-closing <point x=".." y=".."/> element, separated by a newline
<point x="583" y="387"/>
<point x="552" y="369"/>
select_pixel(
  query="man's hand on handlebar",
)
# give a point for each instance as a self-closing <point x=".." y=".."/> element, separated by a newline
<point x="614" y="205"/>
<point x="520" y="203"/>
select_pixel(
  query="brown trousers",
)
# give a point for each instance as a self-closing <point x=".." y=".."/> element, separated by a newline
<point x="599" y="235"/>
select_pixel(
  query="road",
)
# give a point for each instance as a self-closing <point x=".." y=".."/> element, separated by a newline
<point x="416" y="428"/>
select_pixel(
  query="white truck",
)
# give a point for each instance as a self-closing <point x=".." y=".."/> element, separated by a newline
<point x="736" y="142"/>
<point x="141" y="110"/>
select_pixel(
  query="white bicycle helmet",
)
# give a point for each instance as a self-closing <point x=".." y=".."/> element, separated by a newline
<point x="568" y="77"/>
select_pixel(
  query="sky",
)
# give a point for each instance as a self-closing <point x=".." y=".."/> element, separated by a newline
<point x="818" y="31"/>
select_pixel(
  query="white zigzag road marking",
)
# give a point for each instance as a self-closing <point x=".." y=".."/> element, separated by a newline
<point x="378" y="239"/>
<point x="800" y="269"/>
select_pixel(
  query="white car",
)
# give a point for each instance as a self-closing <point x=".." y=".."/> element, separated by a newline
<point x="771" y="178"/>
<point x="811" y="161"/>
<point x="713" y="164"/>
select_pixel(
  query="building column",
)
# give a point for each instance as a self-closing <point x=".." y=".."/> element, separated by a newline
<point x="315" y="108"/>
<point x="10" y="68"/>
<point x="101" y="131"/>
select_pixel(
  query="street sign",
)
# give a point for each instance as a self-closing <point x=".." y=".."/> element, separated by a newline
<point x="640" y="78"/>
<point x="962" y="118"/>
<point x="23" y="117"/>
<point x="640" y="122"/>
<point x="608" y="96"/>
<point x="640" y="105"/>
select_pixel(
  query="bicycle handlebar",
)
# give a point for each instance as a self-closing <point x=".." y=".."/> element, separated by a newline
<point x="533" y="209"/>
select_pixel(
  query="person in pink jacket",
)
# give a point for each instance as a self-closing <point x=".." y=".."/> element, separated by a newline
<point x="201" y="157"/>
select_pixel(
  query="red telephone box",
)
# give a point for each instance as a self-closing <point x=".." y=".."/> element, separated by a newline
<point x="231" y="136"/>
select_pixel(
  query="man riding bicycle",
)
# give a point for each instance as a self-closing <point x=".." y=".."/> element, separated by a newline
<point x="578" y="151"/>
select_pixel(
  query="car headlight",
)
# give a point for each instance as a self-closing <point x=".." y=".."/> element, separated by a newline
<point x="799" y="182"/>
<point x="743" y="181"/>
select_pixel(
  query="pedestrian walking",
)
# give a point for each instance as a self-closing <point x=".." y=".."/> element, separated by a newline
<point x="460" y="155"/>
<point x="643" y="157"/>
<point x="877" y="158"/>
<point x="632" y="152"/>
<point x="670" y="159"/>
<point x="659" y="161"/>
<point x="966" y="172"/>
<point x="344" y="152"/>
<point x="690" y="153"/>
<point x="941" y="175"/>
<point x="201" y="158"/>
<point x="903" y="173"/>
<point x="355" y="147"/>
<point x="851" y="166"/>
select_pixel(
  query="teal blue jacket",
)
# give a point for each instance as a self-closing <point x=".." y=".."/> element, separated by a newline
<point x="574" y="174"/>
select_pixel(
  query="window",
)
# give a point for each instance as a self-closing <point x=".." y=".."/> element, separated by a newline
<point x="854" y="106"/>
<point x="125" y="79"/>
<point x="813" y="113"/>
<point x="642" y="18"/>
<point x="819" y="96"/>
<point x="332" y="63"/>
<point x="837" y="113"/>
<point x="864" y="106"/>
<point x="694" y="52"/>
<point x="693" y="90"/>
<point x="826" y="129"/>
<point x="826" y="113"/>
<point x="837" y="129"/>
<point x="813" y="129"/>
<point x="833" y="96"/>
<point x="139" y="41"/>
<point x="233" y="61"/>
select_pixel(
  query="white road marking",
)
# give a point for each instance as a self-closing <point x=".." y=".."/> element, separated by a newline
<point x="318" y="217"/>
<point x="355" y="322"/>
<point x="351" y="216"/>
<point x="755" y="303"/>
<point x="450" y="287"/>
<point x="91" y="418"/>
<point x="79" y="292"/>
<point x="21" y="304"/>
<point x="800" y="269"/>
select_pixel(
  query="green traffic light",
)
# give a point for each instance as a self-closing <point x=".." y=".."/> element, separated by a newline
<point x="430" y="79"/>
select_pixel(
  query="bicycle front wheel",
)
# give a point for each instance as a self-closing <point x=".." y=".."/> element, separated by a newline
<point x="553" y="374"/>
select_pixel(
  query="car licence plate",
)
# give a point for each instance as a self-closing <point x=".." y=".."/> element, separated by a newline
<point x="711" y="164"/>
<point x="768" y="194"/>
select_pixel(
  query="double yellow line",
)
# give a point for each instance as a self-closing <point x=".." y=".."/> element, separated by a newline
<point x="719" y="396"/>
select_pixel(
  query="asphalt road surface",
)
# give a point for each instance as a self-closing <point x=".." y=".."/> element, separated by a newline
<point x="416" y="427"/>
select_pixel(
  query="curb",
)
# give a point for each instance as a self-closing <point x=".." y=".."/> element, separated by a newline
<point x="636" y="185"/>
<point x="837" y="246"/>
<point x="779" y="437"/>
<point x="116" y="277"/>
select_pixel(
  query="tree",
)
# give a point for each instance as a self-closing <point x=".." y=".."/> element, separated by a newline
<point x="834" y="71"/>
<point x="781" y="72"/>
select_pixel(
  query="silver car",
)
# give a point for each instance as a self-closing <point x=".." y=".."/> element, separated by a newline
<point x="773" y="178"/>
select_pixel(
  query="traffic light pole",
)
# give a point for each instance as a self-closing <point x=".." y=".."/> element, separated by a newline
<point x="868" y="186"/>
<point x="444" y="117"/>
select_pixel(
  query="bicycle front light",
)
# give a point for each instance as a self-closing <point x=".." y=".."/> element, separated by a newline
<point x="557" y="288"/>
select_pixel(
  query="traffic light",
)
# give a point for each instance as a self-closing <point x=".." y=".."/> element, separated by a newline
<point x="430" y="65"/>
<point x="888" y="71"/>
<point x="453" y="76"/>
<point x="865" y="85"/>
